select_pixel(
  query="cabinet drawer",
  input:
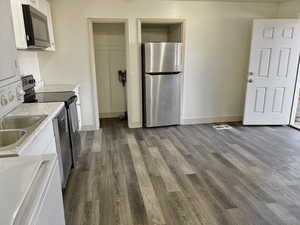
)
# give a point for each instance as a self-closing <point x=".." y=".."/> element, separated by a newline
<point x="41" y="142"/>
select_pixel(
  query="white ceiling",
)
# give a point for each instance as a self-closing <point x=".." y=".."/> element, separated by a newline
<point x="261" y="1"/>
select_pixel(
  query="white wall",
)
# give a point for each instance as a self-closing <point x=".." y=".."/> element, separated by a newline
<point x="29" y="64"/>
<point x="289" y="9"/>
<point x="175" y="33"/>
<point x="217" y="50"/>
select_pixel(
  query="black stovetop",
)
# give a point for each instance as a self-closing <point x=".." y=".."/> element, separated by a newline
<point x="66" y="97"/>
<point x="54" y="96"/>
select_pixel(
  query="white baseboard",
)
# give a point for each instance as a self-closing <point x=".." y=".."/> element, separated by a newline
<point x="110" y="115"/>
<point x="93" y="127"/>
<point x="204" y="120"/>
<point x="135" y="124"/>
<point x="184" y="121"/>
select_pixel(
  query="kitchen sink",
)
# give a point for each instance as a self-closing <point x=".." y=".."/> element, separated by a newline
<point x="21" y="122"/>
<point x="9" y="138"/>
<point x="14" y="130"/>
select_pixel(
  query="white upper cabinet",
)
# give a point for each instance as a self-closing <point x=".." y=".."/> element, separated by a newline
<point x="51" y="31"/>
<point x="44" y="7"/>
<point x="18" y="21"/>
<point x="8" y="52"/>
<point x="34" y="3"/>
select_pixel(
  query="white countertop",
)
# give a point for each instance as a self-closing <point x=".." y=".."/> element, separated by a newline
<point x="57" y="88"/>
<point x="18" y="174"/>
<point x="33" y="109"/>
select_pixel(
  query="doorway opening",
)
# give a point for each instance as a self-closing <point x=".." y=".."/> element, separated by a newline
<point x="110" y="69"/>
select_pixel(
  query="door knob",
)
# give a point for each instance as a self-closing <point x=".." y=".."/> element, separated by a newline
<point x="251" y="73"/>
<point x="250" y="81"/>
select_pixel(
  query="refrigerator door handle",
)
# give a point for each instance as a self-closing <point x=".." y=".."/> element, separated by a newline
<point x="165" y="73"/>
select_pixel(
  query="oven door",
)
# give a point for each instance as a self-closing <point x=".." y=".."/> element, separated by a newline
<point x="36" y="27"/>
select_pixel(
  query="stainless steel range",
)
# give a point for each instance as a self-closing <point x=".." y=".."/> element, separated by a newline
<point x="69" y="98"/>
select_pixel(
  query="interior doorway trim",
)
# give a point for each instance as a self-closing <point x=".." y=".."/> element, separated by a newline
<point x="296" y="98"/>
<point x="91" y="21"/>
<point x="182" y="23"/>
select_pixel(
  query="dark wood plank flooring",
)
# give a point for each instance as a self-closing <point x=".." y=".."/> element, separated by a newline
<point x="186" y="175"/>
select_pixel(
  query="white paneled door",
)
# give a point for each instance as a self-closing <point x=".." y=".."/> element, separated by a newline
<point x="272" y="74"/>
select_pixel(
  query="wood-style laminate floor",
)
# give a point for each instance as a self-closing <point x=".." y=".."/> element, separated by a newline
<point x="186" y="175"/>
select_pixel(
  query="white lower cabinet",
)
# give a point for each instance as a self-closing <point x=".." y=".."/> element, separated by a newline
<point x="51" y="147"/>
<point x="43" y="143"/>
<point x="52" y="209"/>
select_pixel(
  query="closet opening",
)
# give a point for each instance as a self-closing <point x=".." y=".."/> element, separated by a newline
<point x="110" y="69"/>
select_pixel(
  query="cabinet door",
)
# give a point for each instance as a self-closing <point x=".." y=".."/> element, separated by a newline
<point x="52" y="206"/>
<point x="50" y="27"/>
<point x="33" y="3"/>
<point x="8" y="52"/>
<point x="40" y="144"/>
<point x="44" y="7"/>
<point x="18" y="24"/>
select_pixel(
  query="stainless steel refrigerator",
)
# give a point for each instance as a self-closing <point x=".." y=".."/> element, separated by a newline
<point x="162" y="75"/>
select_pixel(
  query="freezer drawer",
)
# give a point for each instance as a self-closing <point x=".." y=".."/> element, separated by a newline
<point x="161" y="100"/>
<point x="163" y="57"/>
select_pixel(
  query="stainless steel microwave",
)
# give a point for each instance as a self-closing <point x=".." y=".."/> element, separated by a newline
<point x="36" y="28"/>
